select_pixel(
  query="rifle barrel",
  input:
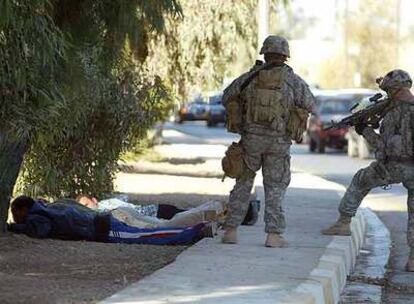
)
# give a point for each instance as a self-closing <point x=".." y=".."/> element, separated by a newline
<point x="329" y="128"/>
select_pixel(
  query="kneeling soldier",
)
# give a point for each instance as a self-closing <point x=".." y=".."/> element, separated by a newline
<point x="394" y="156"/>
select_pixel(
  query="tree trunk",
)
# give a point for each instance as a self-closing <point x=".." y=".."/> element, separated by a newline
<point x="11" y="159"/>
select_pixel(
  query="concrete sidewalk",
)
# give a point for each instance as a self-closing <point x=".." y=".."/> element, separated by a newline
<point x="312" y="269"/>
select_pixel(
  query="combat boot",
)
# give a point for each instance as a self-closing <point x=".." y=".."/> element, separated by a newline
<point x="410" y="263"/>
<point x="341" y="227"/>
<point x="230" y="236"/>
<point x="275" y="240"/>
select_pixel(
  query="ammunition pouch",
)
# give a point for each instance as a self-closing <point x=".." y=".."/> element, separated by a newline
<point x="233" y="163"/>
<point x="234" y="114"/>
<point x="296" y="125"/>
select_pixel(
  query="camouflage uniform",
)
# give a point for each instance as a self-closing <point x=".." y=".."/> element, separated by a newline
<point x="395" y="161"/>
<point x="264" y="138"/>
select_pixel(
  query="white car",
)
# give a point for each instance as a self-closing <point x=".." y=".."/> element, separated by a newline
<point x="357" y="145"/>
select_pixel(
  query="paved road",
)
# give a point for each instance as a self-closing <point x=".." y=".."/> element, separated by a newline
<point x="214" y="135"/>
<point x="337" y="167"/>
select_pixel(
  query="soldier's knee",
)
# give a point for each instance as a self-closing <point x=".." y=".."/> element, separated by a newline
<point x="365" y="178"/>
<point x="277" y="178"/>
<point x="359" y="175"/>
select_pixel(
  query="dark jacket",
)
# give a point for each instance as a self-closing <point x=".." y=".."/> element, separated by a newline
<point x="64" y="221"/>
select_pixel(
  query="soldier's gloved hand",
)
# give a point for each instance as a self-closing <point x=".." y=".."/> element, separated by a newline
<point x="359" y="128"/>
<point x="375" y="125"/>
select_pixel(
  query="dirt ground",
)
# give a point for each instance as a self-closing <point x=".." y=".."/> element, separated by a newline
<point x="54" y="271"/>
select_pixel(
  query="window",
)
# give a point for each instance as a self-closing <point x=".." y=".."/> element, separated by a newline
<point x="216" y="99"/>
<point x="335" y="106"/>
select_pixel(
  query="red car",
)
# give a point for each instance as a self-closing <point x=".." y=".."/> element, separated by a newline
<point x="332" y="106"/>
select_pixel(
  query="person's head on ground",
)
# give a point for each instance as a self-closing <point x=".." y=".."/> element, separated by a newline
<point x="20" y="208"/>
<point x="397" y="83"/>
<point x="88" y="201"/>
<point x="275" y="49"/>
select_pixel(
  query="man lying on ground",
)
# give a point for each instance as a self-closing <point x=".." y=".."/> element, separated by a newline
<point x="72" y="221"/>
<point x="159" y="215"/>
<point x="164" y="215"/>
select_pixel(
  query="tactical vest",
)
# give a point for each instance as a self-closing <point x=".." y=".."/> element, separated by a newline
<point x="265" y="103"/>
<point x="397" y="130"/>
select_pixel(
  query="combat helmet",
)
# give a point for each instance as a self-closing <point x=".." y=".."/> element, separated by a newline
<point x="396" y="79"/>
<point x="275" y="44"/>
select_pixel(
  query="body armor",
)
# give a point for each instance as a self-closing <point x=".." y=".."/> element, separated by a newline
<point x="265" y="104"/>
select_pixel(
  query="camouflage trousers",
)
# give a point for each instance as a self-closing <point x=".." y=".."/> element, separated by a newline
<point x="272" y="155"/>
<point x="380" y="174"/>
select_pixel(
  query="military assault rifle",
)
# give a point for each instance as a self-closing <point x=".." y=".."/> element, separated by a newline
<point x="370" y="114"/>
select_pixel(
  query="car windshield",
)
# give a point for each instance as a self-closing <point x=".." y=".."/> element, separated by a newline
<point x="198" y="100"/>
<point x="215" y="99"/>
<point x="335" y="106"/>
<point x="338" y="104"/>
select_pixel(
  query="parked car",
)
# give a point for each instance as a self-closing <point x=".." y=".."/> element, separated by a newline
<point x="357" y="145"/>
<point x="332" y="106"/>
<point x="196" y="110"/>
<point x="216" y="111"/>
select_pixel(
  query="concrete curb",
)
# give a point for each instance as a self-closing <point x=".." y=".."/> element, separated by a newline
<point x="327" y="280"/>
<point x="323" y="284"/>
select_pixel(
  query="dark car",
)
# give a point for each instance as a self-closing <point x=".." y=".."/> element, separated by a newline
<point x="196" y="110"/>
<point x="332" y="106"/>
<point x="216" y="111"/>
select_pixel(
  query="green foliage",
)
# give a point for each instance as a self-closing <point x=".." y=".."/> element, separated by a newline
<point x="75" y="84"/>
<point x="32" y="50"/>
<point x="113" y="21"/>
<point x="108" y="113"/>
<point x="30" y="46"/>
<point x="204" y="48"/>
<point x="83" y="80"/>
<point x="85" y="159"/>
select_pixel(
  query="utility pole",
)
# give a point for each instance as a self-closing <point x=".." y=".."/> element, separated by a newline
<point x="346" y="42"/>
<point x="262" y="21"/>
<point x="397" y="32"/>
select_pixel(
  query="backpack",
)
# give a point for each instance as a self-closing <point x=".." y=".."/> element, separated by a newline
<point x="295" y="126"/>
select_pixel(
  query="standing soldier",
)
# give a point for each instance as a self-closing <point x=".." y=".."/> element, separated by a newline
<point x="268" y="106"/>
<point x="394" y="156"/>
